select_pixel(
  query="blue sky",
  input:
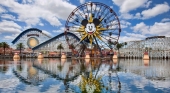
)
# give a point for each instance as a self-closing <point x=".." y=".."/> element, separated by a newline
<point x="139" y="18"/>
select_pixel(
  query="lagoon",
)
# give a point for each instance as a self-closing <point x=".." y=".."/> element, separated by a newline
<point x="71" y="76"/>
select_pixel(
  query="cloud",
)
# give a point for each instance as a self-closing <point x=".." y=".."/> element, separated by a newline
<point x="10" y="37"/>
<point x="2" y="10"/>
<point x="165" y="20"/>
<point x="158" y="9"/>
<point x="131" y="37"/>
<point x="32" y="11"/>
<point x="141" y="27"/>
<point x="137" y="16"/>
<point x="82" y="1"/>
<point x="46" y="32"/>
<point x="124" y="24"/>
<point x="147" y="4"/>
<point x="9" y="27"/>
<point x="158" y="28"/>
<point x="127" y="39"/>
<point x="41" y="24"/>
<point x="126" y="16"/>
<point x="136" y="35"/>
<point x="129" y="5"/>
<point x="61" y="30"/>
<point x="8" y="16"/>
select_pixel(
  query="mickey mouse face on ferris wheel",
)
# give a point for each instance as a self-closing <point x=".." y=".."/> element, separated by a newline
<point x="90" y="27"/>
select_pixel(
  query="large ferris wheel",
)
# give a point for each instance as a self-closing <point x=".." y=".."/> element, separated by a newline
<point x="97" y="26"/>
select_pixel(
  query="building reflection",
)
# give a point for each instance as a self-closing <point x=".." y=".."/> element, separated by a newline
<point x="69" y="71"/>
<point x="27" y="74"/>
<point x="4" y="65"/>
<point x="151" y="69"/>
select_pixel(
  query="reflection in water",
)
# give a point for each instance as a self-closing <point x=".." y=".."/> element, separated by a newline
<point x="146" y="62"/>
<point x="28" y="75"/>
<point x="90" y="84"/>
<point x="3" y="65"/>
<point x="151" y="69"/>
<point x="84" y="75"/>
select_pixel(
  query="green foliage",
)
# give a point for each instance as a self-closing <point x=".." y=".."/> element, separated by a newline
<point x="60" y="46"/>
<point x="119" y="45"/>
<point x="4" y="45"/>
<point x="20" y="46"/>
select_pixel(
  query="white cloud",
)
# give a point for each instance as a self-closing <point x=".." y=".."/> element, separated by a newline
<point x="129" y="5"/>
<point x="26" y="27"/>
<point x="2" y="10"/>
<point x="131" y="37"/>
<point x="124" y="24"/>
<point x="82" y="1"/>
<point x="158" y="9"/>
<point x="156" y="29"/>
<point x="27" y="1"/>
<point x="8" y="16"/>
<point x="41" y="24"/>
<point x="118" y="2"/>
<point x="9" y="27"/>
<point x="160" y="29"/>
<point x="61" y="30"/>
<point x="165" y="20"/>
<point x="126" y="16"/>
<point x="137" y="15"/>
<point x="32" y="11"/>
<point x="141" y="27"/>
<point x="140" y="36"/>
<point x="10" y="37"/>
<point x="46" y="32"/>
<point x="147" y="4"/>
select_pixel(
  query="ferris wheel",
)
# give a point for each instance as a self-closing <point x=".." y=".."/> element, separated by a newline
<point x="97" y="26"/>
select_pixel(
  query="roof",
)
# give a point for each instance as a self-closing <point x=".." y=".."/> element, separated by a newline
<point x="54" y="38"/>
<point x="26" y="31"/>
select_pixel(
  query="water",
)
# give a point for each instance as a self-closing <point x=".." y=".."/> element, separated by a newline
<point x="70" y="76"/>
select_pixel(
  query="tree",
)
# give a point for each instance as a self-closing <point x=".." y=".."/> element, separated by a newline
<point x="125" y="43"/>
<point x="118" y="46"/>
<point x="4" y="45"/>
<point x="59" y="47"/>
<point x="19" y="67"/>
<point x="20" y="46"/>
<point x="146" y="49"/>
<point x="0" y="45"/>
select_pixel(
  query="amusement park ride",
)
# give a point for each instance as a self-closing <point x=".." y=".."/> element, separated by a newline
<point x="91" y="27"/>
<point x="97" y="26"/>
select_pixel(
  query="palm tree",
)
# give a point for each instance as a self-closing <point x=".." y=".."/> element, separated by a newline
<point x="4" y="45"/>
<point x="19" y="68"/>
<point x="60" y="67"/>
<point x="125" y="43"/>
<point x="59" y="47"/>
<point x="0" y="45"/>
<point x="118" y="46"/>
<point x="20" y="46"/>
